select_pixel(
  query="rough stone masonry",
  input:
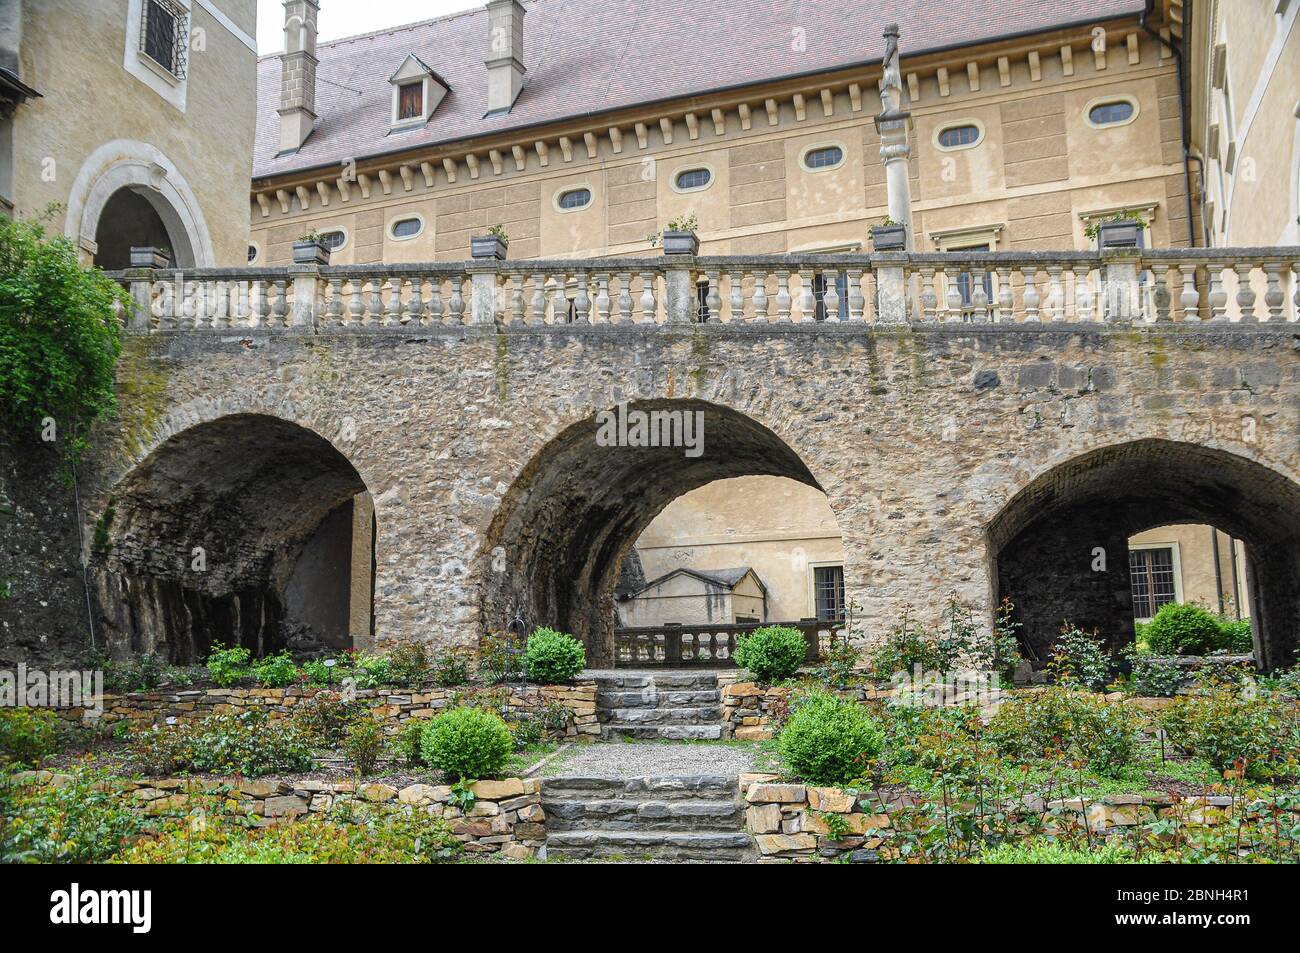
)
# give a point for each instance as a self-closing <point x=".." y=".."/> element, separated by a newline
<point x="981" y="460"/>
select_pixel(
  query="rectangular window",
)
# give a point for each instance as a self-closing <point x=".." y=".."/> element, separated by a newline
<point x="1151" y="575"/>
<point x="841" y="289"/>
<point x="410" y="101"/>
<point x="164" y="35"/>
<point x="964" y="282"/>
<point x="828" y="592"/>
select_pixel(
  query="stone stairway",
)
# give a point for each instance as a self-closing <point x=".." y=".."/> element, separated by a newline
<point x="671" y="706"/>
<point x="694" y="819"/>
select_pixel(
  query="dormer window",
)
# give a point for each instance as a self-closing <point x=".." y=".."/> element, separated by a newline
<point x="417" y="91"/>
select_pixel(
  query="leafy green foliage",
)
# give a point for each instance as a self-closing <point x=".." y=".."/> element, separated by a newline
<point x="364" y="744"/>
<point x="829" y="740"/>
<point x="408" y="743"/>
<point x="29" y="734"/>
<point x="907" y="647"/>
<point x="772" y="653"/>
<point x="60" y="337"/>
<point x="1080" y="659"/>
<point x="1232" y="728"/>
<point x="839" y="667"/>
<point x="467" y="743"/>
<point x="450" y="668"/>
<point x="228" y="666"/>
<point x="248" y="743"/>
<point x="1046" y="850"/>
<point x="1237" y="637"/>
<point x="1081" y="725"/>
<point x="324" y="718"/>
<point x="408" y="663"/>
<point x="1184" y="628"/>
<point x="553" y="657"/>
<point x="1153" y="676"/>
<point x="275" y="671"/>
<point x="957" y="641"/>
<point x="499" y="660"/>
<point x="1006" y="641"/>
<point x="84" y="821"/>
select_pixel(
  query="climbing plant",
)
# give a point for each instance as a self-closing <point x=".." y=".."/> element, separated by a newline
<point x="60" y="338"/>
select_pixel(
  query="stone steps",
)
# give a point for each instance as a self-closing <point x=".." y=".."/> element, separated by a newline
<point x="665" y="706"/>
<point x="691" y="818"/>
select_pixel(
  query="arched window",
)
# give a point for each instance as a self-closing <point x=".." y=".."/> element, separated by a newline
<point x="823" y="157"/>
<point x="573" y="199"/>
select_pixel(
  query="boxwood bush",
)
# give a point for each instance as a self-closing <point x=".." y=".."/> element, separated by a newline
<point x="467" y="743"/>
<point x="553" y="657"/>
<point x="829" y="740"/>
<point x="1184" y="628"/>
<point x="771" y="653"/>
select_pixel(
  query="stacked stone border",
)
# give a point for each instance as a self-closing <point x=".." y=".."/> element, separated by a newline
<point x="506" y="817"/>
<point x="392" y="706"/>
<point x="791" y="822"/>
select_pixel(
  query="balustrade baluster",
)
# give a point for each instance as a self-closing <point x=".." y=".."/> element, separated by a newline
<point x="929" y="300"/>
<point x="625" y="297"/>
<point x="735" y="288"/>
<point x="1056" y="294"/>
<point x="857" y="295"/>
<point x="457" y="306"/>
<point x="831" y="279"/>
<point x="648" y="297"/>
<point x="517" y="309"/>
<point x="783" y="300"/>
<point x="713" y="296"/>
<point x="1245" y="293"/>
<point x="1031" y="295"/>
<point x="281" y="307"/>
<point x="1083" y="296"/>
<point x="1006" y="298"/>
<point x="1190" y="299"/>
<point x="952" y="297"/>
<point x="1274" y="298"/>
<point x="760" y="297"/>
<point x="979" y="297"/>
<point x="807" y="300"/>
<point x="1218" y="294"/>
<point x="559" y="300"/>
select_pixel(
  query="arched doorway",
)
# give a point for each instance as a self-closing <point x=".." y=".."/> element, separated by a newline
<point x="566" y="525"/>
<point x="246" y="530"/>
<point x="1061" y="547"/>
<point x="130" y="220"/>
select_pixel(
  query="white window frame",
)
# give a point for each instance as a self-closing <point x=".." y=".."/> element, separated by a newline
<point x="1106" y="101"/>
<point x="573" y="187"/>
<point x="693" y="167"/>
<point x="813" y="566"/>
<point x="347" y="235"/>
<point x="817" y="146"/>
<point x="403" y="217"/>
<point x="1178" y="571"/>
<point x="432" y="93"/>
<point x="943" y="127"/>
<point x="257" y="247"/>
<point x="139" y="64"/>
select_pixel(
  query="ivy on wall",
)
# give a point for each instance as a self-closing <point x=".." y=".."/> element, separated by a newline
<point x="60" y="337"/>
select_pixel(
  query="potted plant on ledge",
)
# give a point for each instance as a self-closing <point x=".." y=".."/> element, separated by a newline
<point x="679" y="236"/>
<point x="1123" y="229"/>
<point x="492" y="245"/>
<point x="311" y="249"/>
<point x="889" y="235"/>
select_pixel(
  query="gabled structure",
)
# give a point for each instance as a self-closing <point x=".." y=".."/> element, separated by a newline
<point x="691" y="596"/>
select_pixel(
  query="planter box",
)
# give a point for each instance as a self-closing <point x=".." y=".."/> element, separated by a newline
<point x="889" y="238"/>
<point x="311" y="253"/>
<point x="488" y="246"/>
<point x="681" y="243"/>
<point x="147" y="256"/>
<point x="1122" y="234"/>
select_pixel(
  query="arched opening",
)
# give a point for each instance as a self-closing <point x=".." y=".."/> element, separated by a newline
<point x="246" y="530"/>
<point x="130" y="219"/>
<point x="1062" y="547"/>
<point x="568" y="523"/>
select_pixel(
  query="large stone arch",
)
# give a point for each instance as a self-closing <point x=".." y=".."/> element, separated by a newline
<point x="236" y="528"/>
<point x="143" y="169"/>
<point x="555" y="546"/>
<point x="1044" y="543"/>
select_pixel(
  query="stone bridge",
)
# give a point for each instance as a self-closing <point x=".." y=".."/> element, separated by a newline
<point x="987" y="444"/>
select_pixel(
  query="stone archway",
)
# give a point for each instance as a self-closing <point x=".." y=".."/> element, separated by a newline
<point x="1046" y="541"/>
<point x="555" y="547"/>
<point x="141" y="170"/>
<point x="238" y="530"/>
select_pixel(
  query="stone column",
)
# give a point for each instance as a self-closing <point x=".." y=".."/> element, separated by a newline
<point x="307" y="294"/>
<point x="362" y="576"/>
<point x="892" y="125"/>
<point x="679" y="301"/>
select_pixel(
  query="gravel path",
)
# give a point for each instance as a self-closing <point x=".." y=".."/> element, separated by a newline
<point x="656" y="758"/>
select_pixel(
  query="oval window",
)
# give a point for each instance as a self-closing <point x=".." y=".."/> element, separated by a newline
<point x="407" y="228"/>
<point x="333" y="240"/>
<point x="824" y="157"/>
<point x="692" y="179"/>
<point x="955" y="137"/>
<point x="1112" y="113"/>
<point x="574" y="199"/>
<point x="252" y="254"/>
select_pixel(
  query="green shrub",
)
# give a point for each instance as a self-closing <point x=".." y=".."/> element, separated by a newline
<point x="324" y="718"/>
<point x="1078" y="724"/>
<point x="772" y="653"/>
<point x="29" y="734"/>
<point x="364" y="744"/>
<point x="371" y="671"/>
<point x="1080" y="658"/>
<point x="450" y="668"/>
<point x="907" y="647"/>
<point x="1237" y="637"/>
<point x="84" y="821"/>
<point x="499" y="660"/>
<point x="1228" y="728"/>
<point x="839" y="667"/>
<point x="408" y="742"/>
<point x="1184" y="628"/>
<point x="228" y="666"/>
<point x="829" y="740"/>
<point x="248" y="743"/>
<point x="322" y="673"/>
<point x="553" y="657"/>
<point x="467" y="743"/>
<point x="275" y="671"/>
<point x="1153" y="675"/>
<point x="1047" y="851"/>
<point x="60" y="337"/>
<point x="408" y="663"/>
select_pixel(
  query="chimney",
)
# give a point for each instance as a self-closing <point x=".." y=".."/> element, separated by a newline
<point x="505" y="62"/>
<point x="298" y="73"/>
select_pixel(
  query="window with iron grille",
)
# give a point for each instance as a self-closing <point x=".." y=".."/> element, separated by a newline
<point x="828" y="591"/>
<point x="164" y="35"/>
<point x="1151" y="575"/>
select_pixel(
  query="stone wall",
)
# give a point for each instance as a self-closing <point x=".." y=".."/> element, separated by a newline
<point x="507" y="815"/>
<point x="799" y="823"/>
<point x="392" y="706"/>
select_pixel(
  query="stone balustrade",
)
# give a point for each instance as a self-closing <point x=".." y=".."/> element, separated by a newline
<point x="391" y="705"/>
<point x="1030" y="288"/>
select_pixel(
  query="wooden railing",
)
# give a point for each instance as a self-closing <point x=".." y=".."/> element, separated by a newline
<point x="705" y="645"/>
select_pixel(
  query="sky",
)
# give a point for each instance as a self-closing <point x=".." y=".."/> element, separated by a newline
<point x="340" y="18"/>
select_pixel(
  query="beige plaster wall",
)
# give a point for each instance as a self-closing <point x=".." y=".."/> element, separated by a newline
<point x="1194" y="565"/>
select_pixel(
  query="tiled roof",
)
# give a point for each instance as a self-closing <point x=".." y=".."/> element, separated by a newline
<point x="727" y="578"/>
<point x="591" y="56"/>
